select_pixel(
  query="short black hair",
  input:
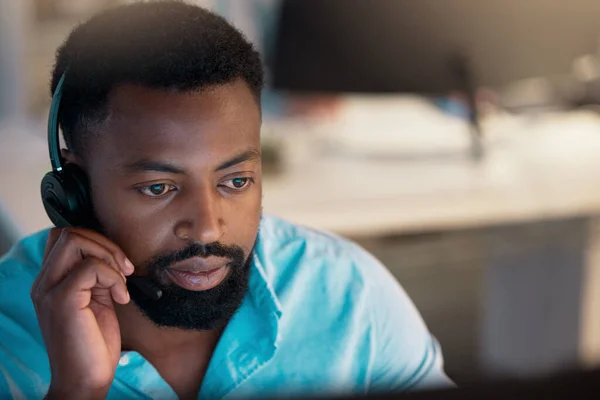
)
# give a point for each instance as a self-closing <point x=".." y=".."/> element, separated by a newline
<point x="167" y="45"/>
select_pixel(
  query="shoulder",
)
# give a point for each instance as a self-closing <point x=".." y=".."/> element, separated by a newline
<point x="293" y="253"/>
<point x="18" y="270"/>
<point x="334" y="278"/>
<point x="23" y="261"/>
<point x="332" y="285"/>
<point x="23" y="364"/>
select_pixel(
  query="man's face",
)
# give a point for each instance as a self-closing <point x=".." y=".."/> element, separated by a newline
<point x="176" y="182"/>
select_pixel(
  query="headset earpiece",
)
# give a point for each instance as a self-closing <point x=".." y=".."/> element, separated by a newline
<point x="65" y="192"/>
<point x="65" y="197"/>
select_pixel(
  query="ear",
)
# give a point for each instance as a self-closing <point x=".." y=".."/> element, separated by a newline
<point x="69" y="157"/>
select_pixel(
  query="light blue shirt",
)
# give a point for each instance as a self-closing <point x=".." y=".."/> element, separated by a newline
<point x="321" y="316"/>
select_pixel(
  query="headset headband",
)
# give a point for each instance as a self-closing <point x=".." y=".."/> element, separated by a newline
<point x="53" y="134"/>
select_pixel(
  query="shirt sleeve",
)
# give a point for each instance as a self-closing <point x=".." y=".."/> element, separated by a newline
<point x="24" y="368"/>
<point x="8" y="387"/>
<point x="20" y="378"/>
<point x="403" y="354"/>
<point x="5" y="392"/>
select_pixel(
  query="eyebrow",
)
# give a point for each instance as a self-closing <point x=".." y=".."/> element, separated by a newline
<point x="154" y="166"/>
<point x="248" y="155"/>
<point x="161" y="166"/>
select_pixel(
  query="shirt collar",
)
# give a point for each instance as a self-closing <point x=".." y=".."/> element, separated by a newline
<point x="251" y="337"/>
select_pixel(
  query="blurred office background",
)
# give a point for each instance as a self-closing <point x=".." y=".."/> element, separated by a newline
<point x="488" y="219"/>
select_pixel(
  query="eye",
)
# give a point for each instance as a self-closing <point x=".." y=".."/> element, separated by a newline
<point x="237" y="183"/>
<point x="156" y="190"/>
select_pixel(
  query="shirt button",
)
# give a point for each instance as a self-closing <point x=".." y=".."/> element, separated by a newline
<point x="124" y="360"/>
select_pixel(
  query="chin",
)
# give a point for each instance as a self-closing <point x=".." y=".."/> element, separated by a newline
<point x="208" y="309"/>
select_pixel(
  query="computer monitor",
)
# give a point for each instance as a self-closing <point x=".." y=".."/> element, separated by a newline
<point x="581" y="385"/>
<point x="428" y="46"/>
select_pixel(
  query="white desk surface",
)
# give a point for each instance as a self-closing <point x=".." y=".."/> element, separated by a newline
<point x="546" y="169"/>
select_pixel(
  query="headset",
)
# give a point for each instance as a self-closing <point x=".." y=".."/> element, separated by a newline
<point x="65" y="191"/>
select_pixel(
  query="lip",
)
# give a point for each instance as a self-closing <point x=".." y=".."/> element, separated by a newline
<point x="198" y="273"/>
<point x="200" y="264"/>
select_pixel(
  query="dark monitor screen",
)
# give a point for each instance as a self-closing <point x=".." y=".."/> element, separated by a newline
<point x="575" y="384"/>
<point x="410" y="45"/>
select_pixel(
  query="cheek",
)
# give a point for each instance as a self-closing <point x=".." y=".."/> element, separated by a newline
<point x="242" y="219"/>
<point x="143" y="229"/>
<point x="138" y="231"/>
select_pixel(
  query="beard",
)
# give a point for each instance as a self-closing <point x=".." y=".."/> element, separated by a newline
<point x="194" y="310"/>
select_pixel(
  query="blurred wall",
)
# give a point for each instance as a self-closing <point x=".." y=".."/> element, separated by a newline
<point x="14" y="16"/>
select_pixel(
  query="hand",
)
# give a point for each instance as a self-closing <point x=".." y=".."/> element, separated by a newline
<point x="82" y="273"/>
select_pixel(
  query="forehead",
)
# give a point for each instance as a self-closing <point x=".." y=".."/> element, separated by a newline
<point x="159" y="124"/>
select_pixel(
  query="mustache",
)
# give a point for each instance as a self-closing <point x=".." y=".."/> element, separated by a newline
<point x="234" y="253"/>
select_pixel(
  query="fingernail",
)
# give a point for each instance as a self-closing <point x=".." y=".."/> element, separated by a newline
<point x="128" y="296"/>
<point x="123" y="275"/>
<point x="129" y="264"/>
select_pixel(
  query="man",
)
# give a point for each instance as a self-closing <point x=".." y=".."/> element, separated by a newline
<point x="161" y="110"/>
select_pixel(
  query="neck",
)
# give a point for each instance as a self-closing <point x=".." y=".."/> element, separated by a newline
<point x="139" y="334"/>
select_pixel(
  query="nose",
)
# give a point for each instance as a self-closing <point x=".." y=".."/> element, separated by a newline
<point x="203" y="222"/>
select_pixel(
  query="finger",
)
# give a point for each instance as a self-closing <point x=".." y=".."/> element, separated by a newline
<point x="112" y="247"/>
<point x="51" y="240"/>
<point x="117" y="252"/>
<point x="70" y="250"/>
<point x="75" y="291"/>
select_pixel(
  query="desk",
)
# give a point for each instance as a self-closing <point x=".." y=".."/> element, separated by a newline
<point x="536" y="170"/>
<point x="541" y="170"/>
